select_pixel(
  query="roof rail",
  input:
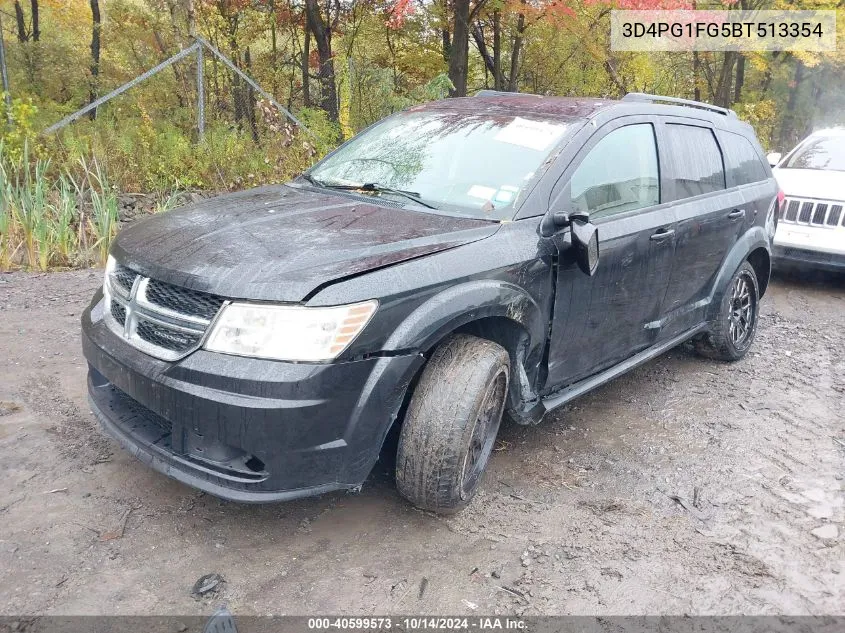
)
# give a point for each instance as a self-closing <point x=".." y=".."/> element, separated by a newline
<point x="649" y="98"/>
<point x="500" y="93"/>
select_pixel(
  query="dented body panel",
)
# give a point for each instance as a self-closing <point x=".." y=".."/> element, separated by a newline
<point x="262" y="430"/>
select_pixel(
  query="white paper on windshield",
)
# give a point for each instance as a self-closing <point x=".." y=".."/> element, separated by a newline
<point x="503" y="196"/>
<point x="480" y="191"/>
<point x="538" y="135"/>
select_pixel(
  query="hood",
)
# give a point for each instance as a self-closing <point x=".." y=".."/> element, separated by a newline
<point x="283" y="243"/>
<point x="822" y="184"/>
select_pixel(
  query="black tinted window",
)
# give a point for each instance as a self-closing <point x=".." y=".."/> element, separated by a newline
<point x="696" y="160"/>
<point x="619" y="174"/>
<point x="741" y="160"/>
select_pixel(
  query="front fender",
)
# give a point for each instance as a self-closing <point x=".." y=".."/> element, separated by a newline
<point x="756" y="237"/>
<point x="464" y="303"/>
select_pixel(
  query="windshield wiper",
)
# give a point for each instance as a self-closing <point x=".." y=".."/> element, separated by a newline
<point x="372" y="187"/>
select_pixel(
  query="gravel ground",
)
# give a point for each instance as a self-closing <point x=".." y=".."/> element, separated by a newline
<point x="685" y="487"/>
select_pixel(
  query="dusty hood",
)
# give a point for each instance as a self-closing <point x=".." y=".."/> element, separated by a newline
<point x="282" y="243"/>
<point x="812" y="183"/>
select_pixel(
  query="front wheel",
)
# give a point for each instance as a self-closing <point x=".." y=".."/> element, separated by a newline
<point x="451" y="424"/>
<point x="735" y="328"/>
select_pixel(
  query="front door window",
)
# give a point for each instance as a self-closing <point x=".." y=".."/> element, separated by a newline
<point x="619" y="174"/>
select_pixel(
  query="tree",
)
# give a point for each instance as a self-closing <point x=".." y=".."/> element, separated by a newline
<point x="20" y="21"/>
<point x="321" y="29"/>
<point x="36" y="29"/>
<point x="25" y="34"/>
<point x="96" y="26"/>
<point x="459" y="49"/>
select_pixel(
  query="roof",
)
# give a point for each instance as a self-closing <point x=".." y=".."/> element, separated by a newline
<point x="830" y="131"/>
<point x="492" y="103"/>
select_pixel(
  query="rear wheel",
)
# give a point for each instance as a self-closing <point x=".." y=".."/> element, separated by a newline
<point x="734" y="330"/>
<point x="451" y="424"/>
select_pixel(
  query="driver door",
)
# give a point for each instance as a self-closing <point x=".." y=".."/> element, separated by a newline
<point x="603" y="319"/>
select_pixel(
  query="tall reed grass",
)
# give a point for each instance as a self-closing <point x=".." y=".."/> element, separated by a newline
<point x="50" y="219"/>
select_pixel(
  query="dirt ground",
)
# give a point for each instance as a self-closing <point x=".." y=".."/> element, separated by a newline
<point x="686" y="487"/>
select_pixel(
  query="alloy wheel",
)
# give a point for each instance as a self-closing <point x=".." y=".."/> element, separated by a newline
<point x="741" y="311"/>
<point x="484" y="432"/>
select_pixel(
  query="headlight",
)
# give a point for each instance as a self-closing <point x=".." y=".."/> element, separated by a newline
<point x="292" y="333"/>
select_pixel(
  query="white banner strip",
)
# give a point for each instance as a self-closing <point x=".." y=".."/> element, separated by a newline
<point x="723" y="30"/>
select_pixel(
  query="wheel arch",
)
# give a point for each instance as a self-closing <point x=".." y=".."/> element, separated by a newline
<point x="754" y="243"/>
<point x="761" y="261"/>
<point x="493" y="310"/>
<point x="498" y="309"/>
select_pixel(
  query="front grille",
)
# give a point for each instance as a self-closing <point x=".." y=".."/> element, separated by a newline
<point x="160" y="319"/>
<point x="191" y="302"/>
<point x="166" y="337"/>
<point x="125" y="278"/>
<point x="118" y="312"/>
<point x="791" y="211"/>
<point x="806" y="210"/>
<point x="813" y="212"/>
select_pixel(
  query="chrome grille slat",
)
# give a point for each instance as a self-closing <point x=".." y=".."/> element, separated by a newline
<point x="810" y="212"/>
<point x="160" y="319"/>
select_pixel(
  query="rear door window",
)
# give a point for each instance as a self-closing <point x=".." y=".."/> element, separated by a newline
<point x="619" y="174"/>
<point x="696" y="160"/>
<point x="742" y="164"/>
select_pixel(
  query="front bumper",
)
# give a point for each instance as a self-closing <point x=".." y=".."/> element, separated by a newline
<point x="791" y="257"/>
<point x="245" y="429"/>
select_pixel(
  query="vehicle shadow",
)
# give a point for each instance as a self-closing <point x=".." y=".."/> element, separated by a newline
<point x="793" y="278"/>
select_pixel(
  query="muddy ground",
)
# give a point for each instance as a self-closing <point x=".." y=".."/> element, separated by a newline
<point x="687" y="486"/>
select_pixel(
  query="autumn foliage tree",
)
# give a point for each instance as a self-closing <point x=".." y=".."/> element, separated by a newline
<point x="340" y="65"/>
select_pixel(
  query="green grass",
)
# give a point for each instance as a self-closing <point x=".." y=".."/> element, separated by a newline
<point x="59" y="195"/>
<point x="44" y="221"/>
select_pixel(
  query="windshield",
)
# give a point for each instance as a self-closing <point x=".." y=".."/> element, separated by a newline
<point x="820" y="153"/>
<point x="475" y="165"/>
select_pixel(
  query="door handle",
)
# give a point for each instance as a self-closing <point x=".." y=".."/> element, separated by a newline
<point x="662" y="234"/>
<point x="736" y="214"/>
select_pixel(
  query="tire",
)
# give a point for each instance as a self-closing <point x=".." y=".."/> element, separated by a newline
<point x="734" y="329"/>
<point x="451" y="424"/>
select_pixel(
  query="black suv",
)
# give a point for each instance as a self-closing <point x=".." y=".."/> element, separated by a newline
<point x="459" y="260"/>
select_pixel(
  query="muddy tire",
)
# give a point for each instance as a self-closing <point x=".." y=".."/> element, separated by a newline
<point x="733" y="331"/>
<point x="451" y="424"/>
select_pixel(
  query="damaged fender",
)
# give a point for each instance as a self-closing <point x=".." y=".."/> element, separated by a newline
<point x="466" y="306"/>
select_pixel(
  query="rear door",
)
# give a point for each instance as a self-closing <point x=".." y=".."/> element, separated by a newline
<point x="746" y="170"/>
<point x="710" y="217"/>
<point x="600" y="320"/>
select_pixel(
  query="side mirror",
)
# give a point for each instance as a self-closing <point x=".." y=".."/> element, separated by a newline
<point x="773" y="158"/>
<point x="553" y="222"/>
<point x="585" y="241"/>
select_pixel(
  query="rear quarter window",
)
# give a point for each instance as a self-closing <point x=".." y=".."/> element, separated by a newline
<point x="696" y="159"/>
<point x="742" y="163"/>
